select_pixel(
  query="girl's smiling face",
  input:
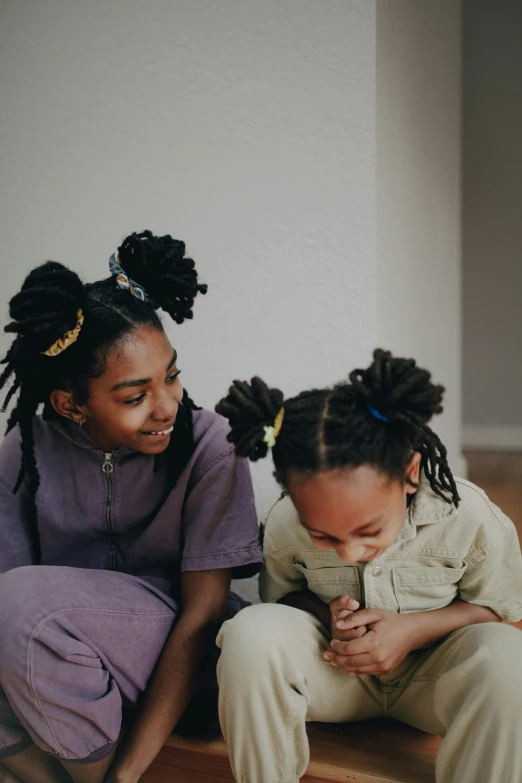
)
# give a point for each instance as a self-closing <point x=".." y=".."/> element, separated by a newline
<point x="359" y="512"/>
<point x="135" y="401"/>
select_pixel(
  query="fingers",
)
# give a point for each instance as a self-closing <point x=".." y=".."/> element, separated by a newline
<point x="356" y="619"/>
<point x="350" y="661"/>
<point x="342" y="607"/>
<point x="371" y="669"/>
<point x="359" y="656"/>
<point x="347" y="636"/>
<point x="356" y="664"/>
<point x="364" y="644"/>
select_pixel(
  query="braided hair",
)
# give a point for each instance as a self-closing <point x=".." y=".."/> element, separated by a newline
<point x="46" y="308"/>
<point x="378" y="418"/>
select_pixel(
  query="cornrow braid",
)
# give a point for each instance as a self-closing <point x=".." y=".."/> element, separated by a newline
<point x="46" y="308"/>
<point x="378" y="418"/>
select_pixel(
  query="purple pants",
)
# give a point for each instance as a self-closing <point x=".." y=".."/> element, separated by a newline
<point x="76" y="645"/>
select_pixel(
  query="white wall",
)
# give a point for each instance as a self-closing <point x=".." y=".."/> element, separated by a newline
<point x="492" y="222"/>
<point x="249" y="129"/>
<point x="245" y="127"/>
<point x="418" y="194"/>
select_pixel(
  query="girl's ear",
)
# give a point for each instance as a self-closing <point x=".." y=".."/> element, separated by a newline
<point x="413" y="473"/>
<point x="64" y="403"/>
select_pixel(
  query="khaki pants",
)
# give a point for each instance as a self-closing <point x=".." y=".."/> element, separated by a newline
<point x="273" y="679"/>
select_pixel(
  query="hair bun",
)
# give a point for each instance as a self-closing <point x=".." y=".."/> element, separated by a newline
<point x="397" y="389"/>
<point x="250" y="407"/>
<point x="159" y="265"/>
<point x="46" y="306"/>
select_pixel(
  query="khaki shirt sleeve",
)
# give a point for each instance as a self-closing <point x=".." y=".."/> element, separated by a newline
<point x="493" y="576"/>
<point x="278" y="576"/>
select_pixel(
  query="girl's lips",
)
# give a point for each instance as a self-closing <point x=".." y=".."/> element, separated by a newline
<point x="159" y="434"/>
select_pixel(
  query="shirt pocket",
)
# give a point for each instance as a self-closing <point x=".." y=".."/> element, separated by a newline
<point x="328" y="583"/>
<point x="427" y="588"/>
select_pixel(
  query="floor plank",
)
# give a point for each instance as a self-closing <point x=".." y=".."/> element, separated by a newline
<point x="371" y="750"/>
<point x="377" y="751"/>
<point x="160" y="773"/>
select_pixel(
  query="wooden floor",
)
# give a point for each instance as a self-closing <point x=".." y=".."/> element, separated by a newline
<point x="500" y="476"/>
<point x="376" y="752"/>
<point x="373" y="752"/>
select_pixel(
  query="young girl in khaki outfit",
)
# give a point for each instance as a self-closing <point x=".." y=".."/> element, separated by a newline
<point x="401" y="573"/>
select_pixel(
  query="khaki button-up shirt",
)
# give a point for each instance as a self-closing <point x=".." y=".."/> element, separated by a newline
<point x="442" y="553"/>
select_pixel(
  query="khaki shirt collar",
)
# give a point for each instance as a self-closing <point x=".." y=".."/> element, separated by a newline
<point x="427" y="507"/>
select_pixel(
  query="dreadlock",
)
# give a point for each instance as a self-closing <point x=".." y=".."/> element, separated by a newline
<point x="46" y="308"/>
<point x="376" y="419"/>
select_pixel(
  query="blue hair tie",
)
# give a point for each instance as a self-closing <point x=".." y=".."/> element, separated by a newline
<point x="124" y="282"/>
<point x="376" y="415"/>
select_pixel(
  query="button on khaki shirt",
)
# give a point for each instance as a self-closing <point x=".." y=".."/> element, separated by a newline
<point x="441" y="554"/>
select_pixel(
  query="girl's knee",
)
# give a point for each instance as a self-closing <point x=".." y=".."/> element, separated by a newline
<point x="265" y="639"/>
<point x="24" y="602"/>
<point x="501" y="640"/>
<point x="250" y="646"/>
<point x="495" y="652"/>
<point x="18" y="589"/>
<point x="260" y="626"/>
<point x="36" y="591"/>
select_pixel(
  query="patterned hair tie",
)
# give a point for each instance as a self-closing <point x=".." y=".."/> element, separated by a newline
<point x="124" y="281"/>
<point x="68" y="339"/>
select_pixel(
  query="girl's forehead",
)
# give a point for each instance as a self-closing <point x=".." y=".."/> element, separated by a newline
<point x="140" y="354"/>
<point x="362" y="481"/>
<point x="361" y="491"/>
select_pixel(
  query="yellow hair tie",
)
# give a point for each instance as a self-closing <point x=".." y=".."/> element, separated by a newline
<point x="271" y="433"/>
<point x="68" y="339"/>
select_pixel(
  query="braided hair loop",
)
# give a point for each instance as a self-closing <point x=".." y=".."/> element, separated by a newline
<point x="160" y="265"/>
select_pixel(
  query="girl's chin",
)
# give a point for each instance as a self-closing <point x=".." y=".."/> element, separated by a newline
<point x="153" y="444"/>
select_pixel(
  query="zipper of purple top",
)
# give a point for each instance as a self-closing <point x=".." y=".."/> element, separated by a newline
<point x="108" y="468"/>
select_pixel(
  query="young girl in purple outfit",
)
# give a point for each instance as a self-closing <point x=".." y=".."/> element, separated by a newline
<point x="124" y="513"/>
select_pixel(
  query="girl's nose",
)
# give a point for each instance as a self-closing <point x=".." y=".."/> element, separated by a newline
<point x="166" y="407"/>
<point x="350" y="552"/>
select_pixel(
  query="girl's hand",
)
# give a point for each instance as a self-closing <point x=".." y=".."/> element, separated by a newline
<point x="342" y="609"/>
<point x="388" y="640"/>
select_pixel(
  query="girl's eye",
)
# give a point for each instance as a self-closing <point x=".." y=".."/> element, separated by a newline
<point x="135" y="400"/>
<point x="321" y="538"/>
<point x="373" y="534"/>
